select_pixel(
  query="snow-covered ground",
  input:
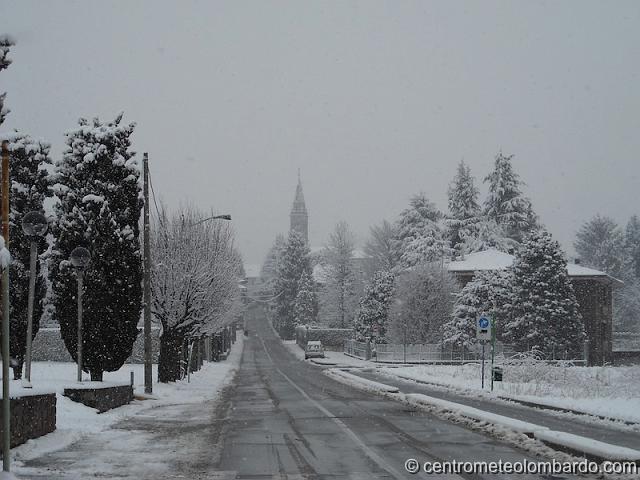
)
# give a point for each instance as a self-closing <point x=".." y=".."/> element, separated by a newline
<point x="75" y="421"/>
<point x="607" y="391"/>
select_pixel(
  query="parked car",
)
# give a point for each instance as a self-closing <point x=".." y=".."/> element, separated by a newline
<point x="314" y="349"/>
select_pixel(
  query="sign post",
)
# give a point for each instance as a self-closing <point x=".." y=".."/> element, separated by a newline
<point x="483" y="334"/>
<point x="493" y="349"/>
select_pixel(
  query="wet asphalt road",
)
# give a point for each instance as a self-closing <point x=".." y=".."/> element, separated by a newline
<point x="288" y="420"/>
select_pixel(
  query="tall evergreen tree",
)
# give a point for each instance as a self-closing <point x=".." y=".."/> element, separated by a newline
<point x="5" y="45"/>
<point x="464" y="209"/>
<point x="488" y="293"/>
<point x="294" y="260"/>
<point x="486" y="234"/>
<point x="30" y="182"/>
<point x="99" y="209"/>
<point x="505" y="202"/>
<point x="269" y="270"/>
<point x="419" y="238"/>
<point x="545" y="311"/>
<point x="632" y="243"/>
<point x="374" y="308"/>
<point x="306" y="305"/>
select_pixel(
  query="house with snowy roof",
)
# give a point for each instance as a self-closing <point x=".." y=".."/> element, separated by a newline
<point x="593" y="289"/>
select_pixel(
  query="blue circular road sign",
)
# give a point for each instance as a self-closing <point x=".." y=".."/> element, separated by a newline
<point x="483" y="322"/>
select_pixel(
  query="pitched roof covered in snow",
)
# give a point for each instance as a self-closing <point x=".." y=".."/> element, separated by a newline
<point x="495" y="260"/>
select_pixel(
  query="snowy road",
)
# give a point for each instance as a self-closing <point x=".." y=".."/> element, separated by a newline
<point x="578" y="425"/>
<point x="288" y="419"/>
<point x="280" y="418"/>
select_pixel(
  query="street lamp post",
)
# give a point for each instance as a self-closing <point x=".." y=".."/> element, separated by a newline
<point x="80" y="258"/>
<point x="34" y="225"/>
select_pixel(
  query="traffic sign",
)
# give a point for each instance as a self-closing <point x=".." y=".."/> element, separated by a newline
<point x="483" y="328"/>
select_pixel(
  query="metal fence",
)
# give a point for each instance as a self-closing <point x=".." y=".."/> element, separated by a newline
<point x="435" y="353"/>
<point x="358" y="349"/>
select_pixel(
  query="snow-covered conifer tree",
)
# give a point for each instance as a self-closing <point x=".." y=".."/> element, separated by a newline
<point x="544" y="312"/>
<point x="464" y="209"/>
<point x="97" y="184"/>
<point x="505" y="202"/>
<point x="5" y="45"/>
<point x="30" y="182"/>
<point x="294" y="260"/>
<point x="488" y="293"/>
<point x="419" y="238"/>
<point x="373" y="313"/>
<point x="485" y="234"/>
<point x="306" y="305"/>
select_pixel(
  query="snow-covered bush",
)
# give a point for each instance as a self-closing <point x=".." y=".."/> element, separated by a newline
<point x="488" y="293"/>
<point x="372" y="319"/>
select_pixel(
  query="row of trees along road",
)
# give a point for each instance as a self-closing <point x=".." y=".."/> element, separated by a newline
<point x="96" y="195"/>
<point x="602" y="244"/>
<point x="407" y="288"/>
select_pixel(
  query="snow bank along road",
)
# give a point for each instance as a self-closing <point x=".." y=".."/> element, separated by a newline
<point x="581" y="425"/>
<point x="288" y="420"/>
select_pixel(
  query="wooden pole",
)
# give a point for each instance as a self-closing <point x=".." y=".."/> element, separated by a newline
<point x="6" y="397"/>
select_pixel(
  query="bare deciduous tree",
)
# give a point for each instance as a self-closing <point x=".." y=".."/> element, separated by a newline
<point x="195" y="273"/>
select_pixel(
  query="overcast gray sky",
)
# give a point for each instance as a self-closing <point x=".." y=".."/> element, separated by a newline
<point x="373" y="101"/>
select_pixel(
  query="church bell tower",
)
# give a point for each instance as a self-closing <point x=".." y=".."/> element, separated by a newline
<point x="299" y="217"/>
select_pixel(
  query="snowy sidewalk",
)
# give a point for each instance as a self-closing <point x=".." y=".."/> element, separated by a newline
<point x="172" y="436"/>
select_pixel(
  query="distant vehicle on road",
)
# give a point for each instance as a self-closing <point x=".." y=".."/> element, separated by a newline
<point x="314" y="349"/>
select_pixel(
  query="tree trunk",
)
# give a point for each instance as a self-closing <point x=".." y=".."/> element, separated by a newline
<point x="193" y="360"/>
<point x="170" y="356"/>
<point x="17" y="369"/>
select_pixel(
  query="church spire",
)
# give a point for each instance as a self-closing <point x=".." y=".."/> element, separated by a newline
<point x="299" y="217"/>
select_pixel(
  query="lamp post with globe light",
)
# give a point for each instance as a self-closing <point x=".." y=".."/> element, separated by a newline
<point x="34" y="225"/>
<point x="80" y="258"/>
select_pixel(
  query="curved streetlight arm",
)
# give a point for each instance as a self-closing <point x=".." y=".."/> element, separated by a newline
<point x="216" y="217"/>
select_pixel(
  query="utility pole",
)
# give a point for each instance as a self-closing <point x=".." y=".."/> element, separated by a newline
<point x="6" y="397"/>
<point x="148" y="372"/>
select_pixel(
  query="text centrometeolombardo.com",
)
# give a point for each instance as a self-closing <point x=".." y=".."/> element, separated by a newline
<point x="521" y="467"/>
